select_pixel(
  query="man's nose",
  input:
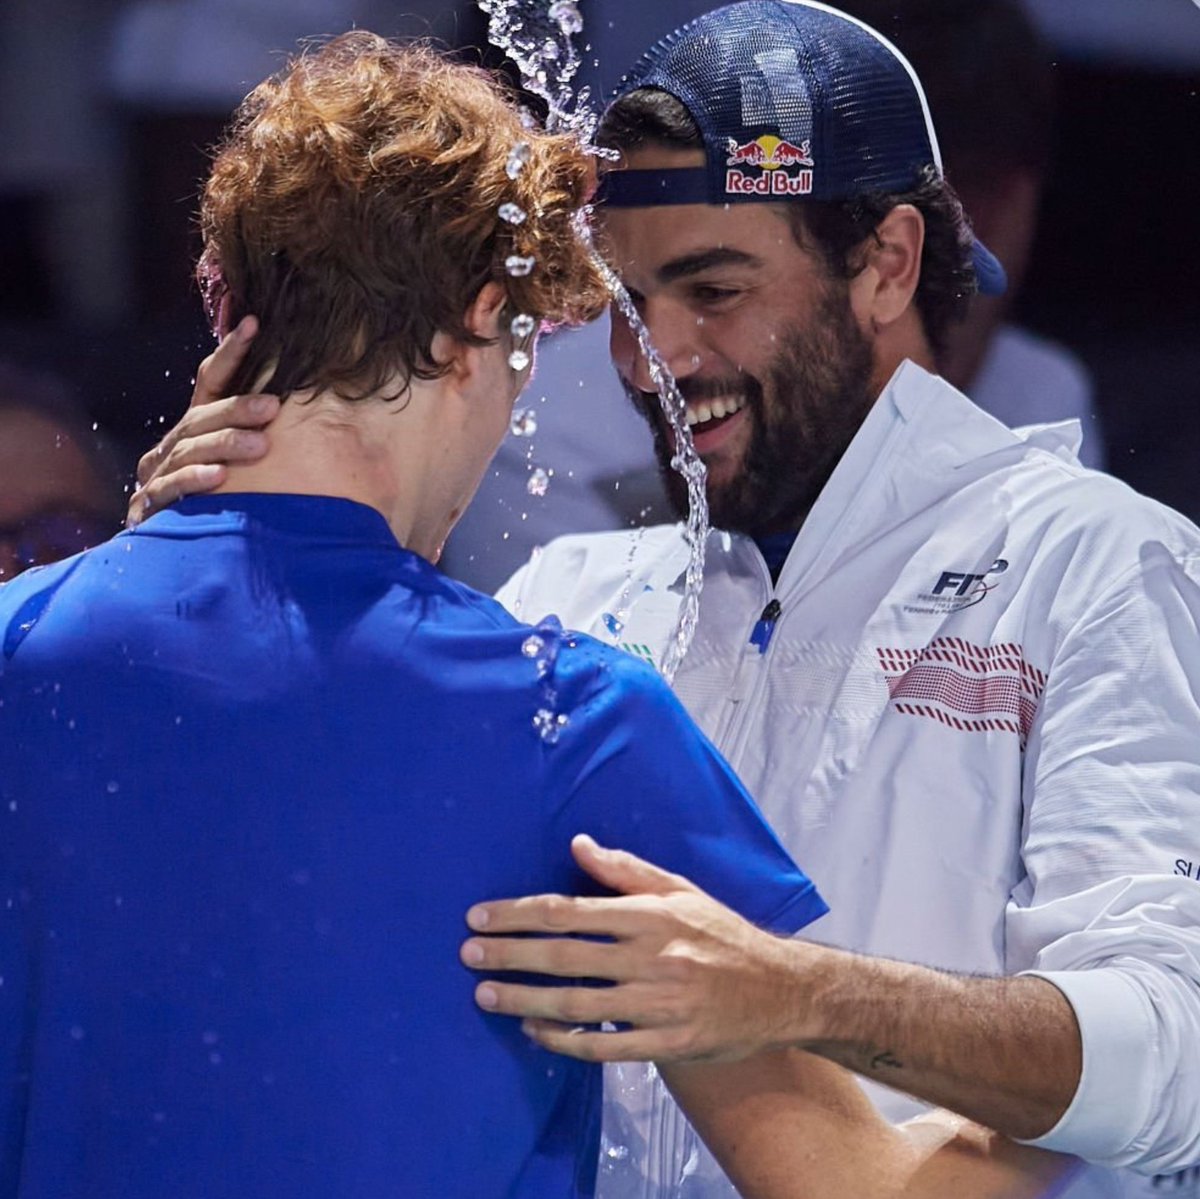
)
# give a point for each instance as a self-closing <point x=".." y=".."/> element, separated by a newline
<point x="674" y="334"/>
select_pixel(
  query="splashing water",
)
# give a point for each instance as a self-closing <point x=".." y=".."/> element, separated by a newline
<point x="520" y="265"/>
<point x="539" y="39"/>
<point x="523" y="423"/>
<point x="538" y="482"/>
<point x="685" y="462"/>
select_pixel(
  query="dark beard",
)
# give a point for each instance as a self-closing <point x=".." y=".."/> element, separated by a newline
<point x="820" y="388"/>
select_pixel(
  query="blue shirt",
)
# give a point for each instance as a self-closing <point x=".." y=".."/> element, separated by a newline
<point x="256" y="761"/>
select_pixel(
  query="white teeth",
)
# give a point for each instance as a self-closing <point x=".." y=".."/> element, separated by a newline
<point x="698" y="414"/>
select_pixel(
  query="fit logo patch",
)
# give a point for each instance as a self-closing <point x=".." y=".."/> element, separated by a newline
<point x="768" y="166"/>
<point x="954" y="590"/>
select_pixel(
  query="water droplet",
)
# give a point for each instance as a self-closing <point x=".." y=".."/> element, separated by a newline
<point x="514" y="214"/>
<point x="523" y="423"/>
<point x="113" y="787"/>
<point x="613" y="624"/>
<point x="567" y="16"/>
<point x="518" y="159"/>
<point x="538" y="482"/>
<point x="166" y="374"/>
<point x="522" y="326"/>
<point x="518" y="360"/>
<point x="519" y="266"/>
<point x="76" y="1033"/>
<point x="617" y="1153"/>
<point x="209" y="1037"/>
<point x="550" y="50"/>
<point x="532" y="646"/>
<point x="549" y="724"/>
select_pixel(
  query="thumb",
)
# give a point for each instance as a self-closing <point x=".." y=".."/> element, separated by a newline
<point x="625" y="872"/>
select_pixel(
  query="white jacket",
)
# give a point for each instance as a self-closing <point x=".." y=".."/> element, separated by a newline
<point x="975" y="722"/>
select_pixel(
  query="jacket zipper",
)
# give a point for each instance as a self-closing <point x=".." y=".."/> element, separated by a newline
<point x="765" y="628"/>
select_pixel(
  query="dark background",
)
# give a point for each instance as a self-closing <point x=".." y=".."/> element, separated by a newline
<point x="95" y="251"/>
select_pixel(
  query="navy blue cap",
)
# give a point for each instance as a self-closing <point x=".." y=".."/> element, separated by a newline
<point x="795" y="100"/>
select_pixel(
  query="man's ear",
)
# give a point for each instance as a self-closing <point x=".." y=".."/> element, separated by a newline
<point x="883" y="290"/>
<point x="482" y="318"/>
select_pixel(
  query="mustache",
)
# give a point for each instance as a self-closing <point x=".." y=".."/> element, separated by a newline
<point x="695" y="391"/>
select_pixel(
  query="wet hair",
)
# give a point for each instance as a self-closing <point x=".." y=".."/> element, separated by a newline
<point x="837" y="231"/>
<point x="353" y="208"/>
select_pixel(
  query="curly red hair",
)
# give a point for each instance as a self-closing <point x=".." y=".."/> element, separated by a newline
<point x="354" y="209"/>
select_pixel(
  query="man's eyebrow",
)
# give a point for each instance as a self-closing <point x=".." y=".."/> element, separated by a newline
<point x="704" y="260"/>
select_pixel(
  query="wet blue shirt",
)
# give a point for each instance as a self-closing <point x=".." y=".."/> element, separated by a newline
<point x="256" y="761"/>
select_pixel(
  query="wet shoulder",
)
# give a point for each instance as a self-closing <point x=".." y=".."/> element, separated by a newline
<point x="26" y="599"/>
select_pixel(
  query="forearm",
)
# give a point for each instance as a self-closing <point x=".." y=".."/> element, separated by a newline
<point x="786" y="1125"/>
<point x="1005" y="1052"/>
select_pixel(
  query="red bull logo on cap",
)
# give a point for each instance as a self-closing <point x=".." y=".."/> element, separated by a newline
<point x="785" y="169"/>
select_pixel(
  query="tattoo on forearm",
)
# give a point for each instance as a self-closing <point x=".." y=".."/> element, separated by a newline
<point x="886" y="1058"/>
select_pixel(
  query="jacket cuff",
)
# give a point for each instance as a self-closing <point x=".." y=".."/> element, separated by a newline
<point x="1119" y="1034"/>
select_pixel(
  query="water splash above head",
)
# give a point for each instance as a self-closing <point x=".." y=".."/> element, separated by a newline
<point x="539" y="39"/>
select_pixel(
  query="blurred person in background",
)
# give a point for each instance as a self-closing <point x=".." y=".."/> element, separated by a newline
<point x="988" y="78"/>
<point x="61" y="485"/>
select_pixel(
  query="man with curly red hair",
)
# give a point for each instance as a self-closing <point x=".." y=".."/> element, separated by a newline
<point x="244" y="982"/>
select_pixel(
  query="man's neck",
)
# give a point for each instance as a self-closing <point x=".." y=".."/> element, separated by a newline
<point x="326" y="446"/>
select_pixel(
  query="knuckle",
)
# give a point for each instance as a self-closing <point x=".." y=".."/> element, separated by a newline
<point x="589" y="1050"/>
<point x="206" y="367"/>
<point x="573" y="1005"/>
<point x="558" y="957"/>
<point x="170" y="462"/>
<point x="557" y="911"/>
<point x="681" y="1042"/>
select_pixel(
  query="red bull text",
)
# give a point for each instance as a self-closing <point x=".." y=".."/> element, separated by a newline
<point x="785" y="168"/>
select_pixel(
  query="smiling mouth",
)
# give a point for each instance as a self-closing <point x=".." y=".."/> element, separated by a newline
<point x="709" y="414"/>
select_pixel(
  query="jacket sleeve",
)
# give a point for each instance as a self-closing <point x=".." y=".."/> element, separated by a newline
<point x="1109" y="911"/>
